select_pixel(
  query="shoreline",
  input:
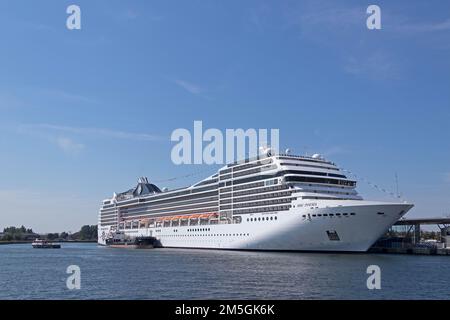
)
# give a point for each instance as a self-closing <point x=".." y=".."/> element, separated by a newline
<point x="65" y="241"/>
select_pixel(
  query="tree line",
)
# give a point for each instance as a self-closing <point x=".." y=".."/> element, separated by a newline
<point x="87" y="232"/>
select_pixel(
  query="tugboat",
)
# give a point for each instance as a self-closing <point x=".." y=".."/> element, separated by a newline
<point x="118" y="240"/>
<point x="43" y="244"/>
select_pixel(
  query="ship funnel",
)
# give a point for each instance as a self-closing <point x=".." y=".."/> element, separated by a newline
<point x="143" y="180"/>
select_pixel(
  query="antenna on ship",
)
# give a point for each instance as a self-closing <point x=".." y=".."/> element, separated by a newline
<point x="396" y="184"/>
<point x="306" y="150"/>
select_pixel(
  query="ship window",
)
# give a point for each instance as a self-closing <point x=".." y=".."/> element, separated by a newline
<point x="345" y="214"/>
<point x="313" y="215"/>
<point x="352" y="214"/>
<point x="331" y="215"/>
<point x="325" y="214"/>
<point x="338" y="214"/>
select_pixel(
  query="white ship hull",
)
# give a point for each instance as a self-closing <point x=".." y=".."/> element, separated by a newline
<point x="305" y="227"/>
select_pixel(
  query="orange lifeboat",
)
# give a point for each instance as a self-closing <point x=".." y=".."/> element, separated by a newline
<point x="206" y="215"/>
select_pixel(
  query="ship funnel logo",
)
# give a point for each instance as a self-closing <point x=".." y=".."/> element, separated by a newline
<point x="143" y="180"/>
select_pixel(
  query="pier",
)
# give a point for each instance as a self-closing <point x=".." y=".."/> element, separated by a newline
<point x="409" y="241"/>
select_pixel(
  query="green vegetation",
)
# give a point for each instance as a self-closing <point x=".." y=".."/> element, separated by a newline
<point x="18" y="234"/>
<point x="87" y="233"/>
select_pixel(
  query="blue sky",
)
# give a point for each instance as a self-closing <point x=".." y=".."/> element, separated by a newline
<point x="83" y="113"/>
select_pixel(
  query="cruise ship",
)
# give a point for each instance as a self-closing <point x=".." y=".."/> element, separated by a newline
<point x="279" y="202"/>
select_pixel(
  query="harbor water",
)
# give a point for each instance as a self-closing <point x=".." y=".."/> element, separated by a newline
<point x="106" y="273"/>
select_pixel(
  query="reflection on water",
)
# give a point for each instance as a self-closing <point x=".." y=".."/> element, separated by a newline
<point x="106" y="273"/>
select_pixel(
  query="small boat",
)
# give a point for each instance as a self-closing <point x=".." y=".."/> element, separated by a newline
<point x="43" y="244"/>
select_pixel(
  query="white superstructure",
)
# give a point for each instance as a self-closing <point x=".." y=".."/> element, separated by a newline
<point x="273" y="202"/>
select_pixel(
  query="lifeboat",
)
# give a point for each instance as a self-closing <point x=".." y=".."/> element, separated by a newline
<point x="186" y="217"/>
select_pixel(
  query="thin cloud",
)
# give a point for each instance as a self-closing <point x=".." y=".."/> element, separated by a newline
<point x="66" y="138"/>
<point x="131" y="14"/>
<point x="65" y="95"/>
<point x="342" y="29"/>
<point x="69" y="146"/>
<point x="106" y="133"/>
<point x="259" y="16"/>
<point x="377" y="66"/>
<point x="315" y="17"/>
<point x="425" y="27"/>
<point x="189" y="86"/>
